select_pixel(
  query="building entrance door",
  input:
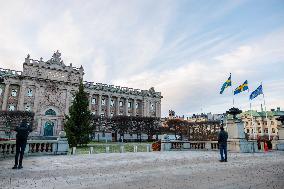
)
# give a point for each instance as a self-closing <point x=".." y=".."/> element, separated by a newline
<point x="48" y="128"/>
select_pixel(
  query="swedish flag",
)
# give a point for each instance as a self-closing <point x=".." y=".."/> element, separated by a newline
<point x="228" y="83"/>
<point x="241" y="88"/>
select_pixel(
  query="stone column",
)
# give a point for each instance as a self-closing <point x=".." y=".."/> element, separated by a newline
<point x="99" y="104"/>
<point x="21" y="97"/>
<point x="159" y="108"/>
<point x="134" y="107"/>
<point x="156" y="109"/>
<point x="67" y="102"/>
<point x="108" y="105"/>
<point x="36" y="99"/>
<point x="117" y="106"/>
<point x="90" y="101"/>
<point x="144" y="107"/>
<point x="126" y="106"/>
<point x="5" y="97"/>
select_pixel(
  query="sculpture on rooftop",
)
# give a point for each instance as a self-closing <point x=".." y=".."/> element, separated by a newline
<point x="56" y="59"/>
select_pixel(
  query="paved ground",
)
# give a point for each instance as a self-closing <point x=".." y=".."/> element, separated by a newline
<point x="182" y="170"/>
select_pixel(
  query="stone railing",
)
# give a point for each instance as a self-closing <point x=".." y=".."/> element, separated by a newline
<point x="36" y="147"/>
<point x="119" y="89"/>
<point x="189" y="145"/>
<point x="111" y="148"/>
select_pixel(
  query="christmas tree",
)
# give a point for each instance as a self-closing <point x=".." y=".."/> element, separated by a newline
<point x="78" y="124"/>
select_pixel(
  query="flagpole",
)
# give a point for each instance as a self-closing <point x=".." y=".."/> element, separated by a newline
<point x="232" y="90"/>
<point x="268" y="127"/>
<point x="252" y="123"/>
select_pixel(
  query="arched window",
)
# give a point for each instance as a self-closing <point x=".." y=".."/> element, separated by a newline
<point x="50" y="112"/>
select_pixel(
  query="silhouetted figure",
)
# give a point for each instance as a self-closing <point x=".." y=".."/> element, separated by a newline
<point x="21" y="140"/>
<point x="222" y="140"/>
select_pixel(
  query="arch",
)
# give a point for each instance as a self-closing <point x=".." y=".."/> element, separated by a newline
<point x="50" y="112"/>
<point x="48" y="128"/>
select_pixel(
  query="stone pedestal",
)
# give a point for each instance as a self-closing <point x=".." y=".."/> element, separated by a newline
<point x="165" y="145"/>
<point x="236" y="138"/>
<point x="62" y="146"/>
<point x="280" y="142"/>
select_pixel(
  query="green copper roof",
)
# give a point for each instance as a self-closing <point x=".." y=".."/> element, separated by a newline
<point x="255" y="113"/>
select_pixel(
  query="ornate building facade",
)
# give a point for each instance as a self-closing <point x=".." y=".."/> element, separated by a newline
<point x="261" y="123"/>
<point x="47" y="88"/>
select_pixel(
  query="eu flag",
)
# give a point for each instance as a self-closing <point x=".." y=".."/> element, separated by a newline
<point x="241" y="88"/>
<point x="228" y="83"/>
<point x="256" y="92"/>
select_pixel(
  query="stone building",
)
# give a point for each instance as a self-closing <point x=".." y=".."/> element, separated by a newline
<point x="47" y="88"/>
<point x="261" y="123"/>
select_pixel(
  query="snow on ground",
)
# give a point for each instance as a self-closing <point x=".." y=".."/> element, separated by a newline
<point x="179" y="169"/>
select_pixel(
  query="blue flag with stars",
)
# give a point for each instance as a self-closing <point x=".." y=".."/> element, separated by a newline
<point x="256" y="92"/>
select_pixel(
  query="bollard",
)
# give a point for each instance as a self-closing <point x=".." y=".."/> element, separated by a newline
<point x="148" y="147"/>
<point x="107" y="149"/>
<point x="74" y="151"/>
<point x="121" y="149"/>
<point x="91" y="150"/>
<point x="262" y="146"/>
<point x="135" y="148"/>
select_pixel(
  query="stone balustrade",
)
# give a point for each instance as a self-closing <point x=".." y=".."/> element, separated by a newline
<point x="119" y="89"/>
<point x="189" y="145"/>
<point x="36" y="147"/>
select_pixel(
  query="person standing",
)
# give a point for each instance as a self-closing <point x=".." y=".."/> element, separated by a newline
<point x="21" y="140"/>
<point x="222" y="141"/>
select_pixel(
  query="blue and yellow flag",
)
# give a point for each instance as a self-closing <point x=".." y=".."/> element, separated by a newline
<point x="241" y="88"/>
<point x="228" y="83"/>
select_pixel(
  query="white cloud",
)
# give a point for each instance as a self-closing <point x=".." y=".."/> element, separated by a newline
<point x="141" y="44"/>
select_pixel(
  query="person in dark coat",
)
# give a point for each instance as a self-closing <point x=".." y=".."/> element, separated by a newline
<point x="21" y="140"/>
<point x="222" y="140"/>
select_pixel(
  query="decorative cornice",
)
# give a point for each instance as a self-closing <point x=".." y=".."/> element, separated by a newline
<point x="122" y="90"/>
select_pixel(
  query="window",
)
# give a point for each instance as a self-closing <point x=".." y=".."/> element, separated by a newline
<point x="1" y="91"/>
<point x="111" y="114"/>
<point x="28" y="108"/>
<point x="247" y="130"/>
<point x="272" y="122"/>
<point x="266" y="130"/>
<point x="14" y="92"/>
<point x="152" y="106"/>
<point x="120" y="103"/>
<point x="11" y="108"/>
<point x="112" y="103"/>
<point x="103" y="102"/>
<point x="136" y="105"/>
<point x="50" y="112"/>
<point x="273" y="130"/>
<point x="102" y="114"/>
<point x="30" y="92"/>
<point x="129" y="105"/>
<point x="94" y="100"/>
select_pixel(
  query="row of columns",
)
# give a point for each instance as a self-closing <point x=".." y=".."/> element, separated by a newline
<point x="145" y="106"/>
<point x="21" y="96"/>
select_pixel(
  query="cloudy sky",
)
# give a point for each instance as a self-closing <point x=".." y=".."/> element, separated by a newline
<point x="185" y="49"/>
